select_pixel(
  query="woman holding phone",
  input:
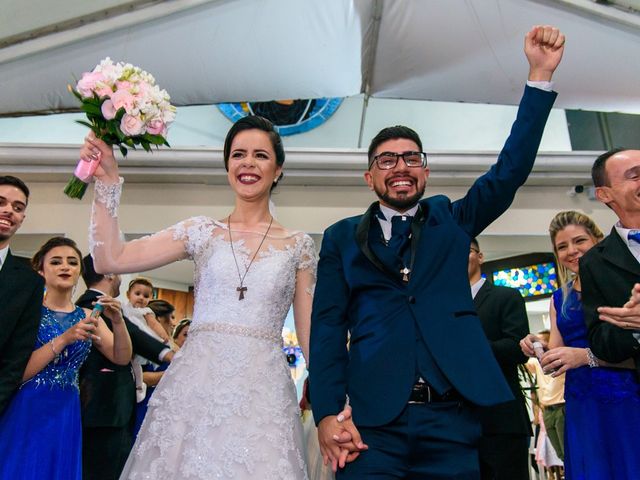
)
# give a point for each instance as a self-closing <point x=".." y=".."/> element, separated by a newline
<point x="602" y="400"/>
<point x="40" y="431"/>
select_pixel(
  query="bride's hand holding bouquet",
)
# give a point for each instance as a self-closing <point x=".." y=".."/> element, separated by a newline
<point x="124" y="107"/>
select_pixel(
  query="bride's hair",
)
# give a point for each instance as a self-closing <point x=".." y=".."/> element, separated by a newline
<point x="255" y="122"/>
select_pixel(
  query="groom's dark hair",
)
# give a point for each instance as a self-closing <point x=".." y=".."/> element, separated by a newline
<point x="391" y="133"/>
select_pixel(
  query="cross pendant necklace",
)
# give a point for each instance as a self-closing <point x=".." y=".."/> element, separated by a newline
<point x="405" y="274"/>
<point x="241" y="289"/>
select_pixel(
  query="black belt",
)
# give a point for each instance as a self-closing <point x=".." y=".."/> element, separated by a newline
<point x="424" y="393"/>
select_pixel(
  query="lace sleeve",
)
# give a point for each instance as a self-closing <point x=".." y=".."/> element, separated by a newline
<point x="308" y="259"/>
<point x="303" y="296"/>
<point x="110" y="253"/>
<point x="194" y="232"/>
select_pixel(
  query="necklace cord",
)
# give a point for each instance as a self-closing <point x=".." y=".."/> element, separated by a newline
<point x="242" y="277"/>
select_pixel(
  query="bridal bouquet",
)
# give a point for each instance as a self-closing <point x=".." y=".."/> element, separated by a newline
<point x="124" y="107"/>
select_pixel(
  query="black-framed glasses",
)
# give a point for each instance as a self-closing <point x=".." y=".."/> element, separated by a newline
<point x="389" y="160"/>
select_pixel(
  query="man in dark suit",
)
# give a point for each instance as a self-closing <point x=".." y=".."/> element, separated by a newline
<point x="611" y="268"/>
<point x="21" y="292"/>
<point x="506" y="430"/>
<point x="418" y="360"/>
<point x="107" y="390"/>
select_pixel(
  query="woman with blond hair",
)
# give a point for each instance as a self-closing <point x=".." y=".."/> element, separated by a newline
<point x="602" y="400"/>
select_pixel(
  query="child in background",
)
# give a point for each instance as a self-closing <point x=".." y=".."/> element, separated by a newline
<point x="139" y="294"/>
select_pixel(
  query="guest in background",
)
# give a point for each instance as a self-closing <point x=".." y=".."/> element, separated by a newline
<point x="107" y="390"/>
<point x="506" y="430"/>
<point x="610" y="271"/>
<point x="40" y="432"/>
<point x="164" y="313"/>
<point x="181" y="331"/>
<point x="602" y="403"/>
<point x="151" y="371"/>
<point x="550" y="394"/>
<point x="20" y="292"/>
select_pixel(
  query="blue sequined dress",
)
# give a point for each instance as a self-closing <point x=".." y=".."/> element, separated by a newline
<point x="602" y="421"/>
<point x="40" y="431"/>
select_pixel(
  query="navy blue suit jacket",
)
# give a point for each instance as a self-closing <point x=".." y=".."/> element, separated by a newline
<point x="356" y="295"/>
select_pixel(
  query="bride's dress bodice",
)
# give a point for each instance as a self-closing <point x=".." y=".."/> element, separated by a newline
<point x="270" y="279"/>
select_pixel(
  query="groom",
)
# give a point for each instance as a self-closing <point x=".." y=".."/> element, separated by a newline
<point x="393" y="283"/>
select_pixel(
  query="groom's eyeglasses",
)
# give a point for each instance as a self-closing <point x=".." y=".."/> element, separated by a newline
<point x="389" y="160"/>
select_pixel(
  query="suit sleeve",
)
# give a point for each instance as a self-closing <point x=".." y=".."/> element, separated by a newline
<point x="17" y="351"/>
<point x="143" y="344"/>
<point x="492" y="194"/>
<point x="608" y="342"/>
<point x="328" y="357"/>
<point x="514" y="325"/>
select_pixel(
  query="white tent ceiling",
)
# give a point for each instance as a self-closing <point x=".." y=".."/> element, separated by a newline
<point x="209" y="51"/>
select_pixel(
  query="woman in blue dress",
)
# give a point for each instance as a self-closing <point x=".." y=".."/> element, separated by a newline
<point x="602" y="419"/>
<point x="40" y="431"/>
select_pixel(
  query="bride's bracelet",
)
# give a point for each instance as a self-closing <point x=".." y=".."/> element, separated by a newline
<point x="592" y="359"/>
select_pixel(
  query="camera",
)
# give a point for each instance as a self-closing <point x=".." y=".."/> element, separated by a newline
<point x="576" y="189"/>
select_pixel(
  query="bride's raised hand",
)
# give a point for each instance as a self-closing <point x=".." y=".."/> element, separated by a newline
<point x="95" y="149"/>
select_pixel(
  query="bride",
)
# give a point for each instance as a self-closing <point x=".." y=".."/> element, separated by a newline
<point x="210" y="417"/>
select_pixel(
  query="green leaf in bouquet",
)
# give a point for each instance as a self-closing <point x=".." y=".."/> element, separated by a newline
<point x="129" y="142"/>
<point x="95" y="100"/>
<point x="155" y="139"/>
<point x="74" y="92"/>
<point x="145" y="145"/>
<point x="123" y="150"/>
<point x="166" y="143"/>
<point x="86" y="124"/>
<point x="118" y="133"/>
<point x="120" y="113"/>
<point x="91" y="109"/>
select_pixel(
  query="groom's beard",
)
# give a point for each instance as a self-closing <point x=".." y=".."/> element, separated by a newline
<point x="400" y="204"/>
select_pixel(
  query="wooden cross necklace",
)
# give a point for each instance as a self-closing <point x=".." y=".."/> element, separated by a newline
<point x="241" y="289"/>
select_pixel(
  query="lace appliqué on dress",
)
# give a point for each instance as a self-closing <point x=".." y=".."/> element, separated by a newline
<point x="109" y="195"/>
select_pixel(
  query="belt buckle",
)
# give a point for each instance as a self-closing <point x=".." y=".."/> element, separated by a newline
<point x="420" y="393"/>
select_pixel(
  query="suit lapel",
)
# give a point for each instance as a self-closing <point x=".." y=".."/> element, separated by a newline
<point x="10" y="275"/>
<point x="362" y="239"/>
<point x="482" y="294"/>
<point x="614" y="250"/>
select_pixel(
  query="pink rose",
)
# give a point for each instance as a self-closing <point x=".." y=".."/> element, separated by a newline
<point x="123" y="99"/>
<point x="87" y="83"/>
<point x="103" y="90"/>
<point x="131" y="125"/>
<point x="156" y="127"/>
<point x="108" y="110"/>
<point x="123" y="85"/>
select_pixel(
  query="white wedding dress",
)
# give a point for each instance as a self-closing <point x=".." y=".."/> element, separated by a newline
<point x="226" y="407"/>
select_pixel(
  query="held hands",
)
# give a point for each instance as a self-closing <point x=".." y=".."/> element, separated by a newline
<point x="543" y="46"/>
<point x="627" y="316"/>
<point x="95" y="149"/>
<point x="340" y="441"/>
